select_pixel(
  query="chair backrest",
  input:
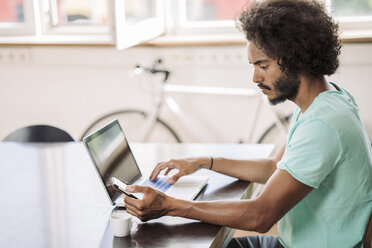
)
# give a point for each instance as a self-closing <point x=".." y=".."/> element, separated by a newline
<point x="39" y="133"/>
<point x="367" y="239"/>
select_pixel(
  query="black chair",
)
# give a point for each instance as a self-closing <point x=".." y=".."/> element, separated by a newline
<point x="39" y="133"/>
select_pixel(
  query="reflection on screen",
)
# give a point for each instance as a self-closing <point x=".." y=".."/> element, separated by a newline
<point x="113" y="157"/>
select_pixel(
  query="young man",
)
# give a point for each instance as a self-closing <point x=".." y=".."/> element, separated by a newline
<point x="319" y="186"/>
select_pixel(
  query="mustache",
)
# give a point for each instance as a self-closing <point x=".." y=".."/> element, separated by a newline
<point x="262" y="86"/>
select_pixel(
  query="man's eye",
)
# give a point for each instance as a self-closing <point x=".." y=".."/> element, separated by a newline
<point x="264" y="67"/>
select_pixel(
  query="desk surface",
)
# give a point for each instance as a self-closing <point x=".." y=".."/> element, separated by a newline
<point x="51" y="196"/>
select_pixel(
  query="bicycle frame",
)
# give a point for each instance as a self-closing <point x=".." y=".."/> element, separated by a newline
<point x="164" y="97"/>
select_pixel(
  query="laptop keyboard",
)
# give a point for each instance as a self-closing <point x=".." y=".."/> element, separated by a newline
<point x="161" y="183"/>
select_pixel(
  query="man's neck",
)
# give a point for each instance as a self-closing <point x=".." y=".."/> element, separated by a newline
<point x="308" y="90"/>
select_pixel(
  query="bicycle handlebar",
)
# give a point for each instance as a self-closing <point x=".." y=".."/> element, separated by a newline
<point x="153" y="69"/>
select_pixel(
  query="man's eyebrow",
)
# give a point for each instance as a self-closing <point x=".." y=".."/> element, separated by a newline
<point x="260" y="61"/>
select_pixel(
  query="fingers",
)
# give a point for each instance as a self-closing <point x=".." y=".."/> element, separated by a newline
<point x="167" y="171"/>
<point x="137" y="189"/>
<point x="135" y="205"/>
<point x="161" y="166"/>
<point x="133" y="211"/>
<point x="152" y="205"/>
<point x="174" y="178"/>
<point x="138" y="207"/>
<point x="140" y="214"/>
<point x="158" y="168"/>
<point x="129" y="201"/>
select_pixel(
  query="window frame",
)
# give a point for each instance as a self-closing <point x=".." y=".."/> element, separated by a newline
<point x="355" y="23"/>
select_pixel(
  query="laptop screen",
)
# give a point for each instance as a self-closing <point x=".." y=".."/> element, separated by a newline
<point x="111" y="154"/>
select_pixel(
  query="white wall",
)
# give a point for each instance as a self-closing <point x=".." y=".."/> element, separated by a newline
<point x="70" y="86"/>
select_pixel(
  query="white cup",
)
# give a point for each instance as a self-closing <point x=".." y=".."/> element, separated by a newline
<point x="121" y="224"/>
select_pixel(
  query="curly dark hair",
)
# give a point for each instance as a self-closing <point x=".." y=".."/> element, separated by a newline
<point x="298" y="33"/>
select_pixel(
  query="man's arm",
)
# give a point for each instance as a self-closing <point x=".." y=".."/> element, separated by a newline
<point x="258" y="170"/>
<point x="280" y="194"/>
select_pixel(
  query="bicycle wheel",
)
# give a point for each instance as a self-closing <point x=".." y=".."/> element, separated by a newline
<point x="133" y="122"/>
<point x="272" y="135"/>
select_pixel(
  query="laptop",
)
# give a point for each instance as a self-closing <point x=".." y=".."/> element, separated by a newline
<point x="112" y="157"/>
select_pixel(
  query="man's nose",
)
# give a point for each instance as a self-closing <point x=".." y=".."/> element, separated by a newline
<point x="257" y="78"/>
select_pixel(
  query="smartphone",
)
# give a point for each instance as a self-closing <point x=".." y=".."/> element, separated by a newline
<point x="119" y="185"/>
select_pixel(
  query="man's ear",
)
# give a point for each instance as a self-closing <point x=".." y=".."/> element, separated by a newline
<point x="279" y="62"/>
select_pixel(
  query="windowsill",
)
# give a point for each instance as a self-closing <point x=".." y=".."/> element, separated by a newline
<point x="198" y="40"/>
<point x="58" y="40"/>
<point x="357" y="36"/>
<point x="352" y="36"/>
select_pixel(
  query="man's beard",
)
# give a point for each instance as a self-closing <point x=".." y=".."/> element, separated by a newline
<point x="287" y="87"/>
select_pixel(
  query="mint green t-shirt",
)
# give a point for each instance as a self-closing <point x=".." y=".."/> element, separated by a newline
<point x="329" y="150"/>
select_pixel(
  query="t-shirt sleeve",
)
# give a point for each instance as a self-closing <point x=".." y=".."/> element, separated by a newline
<point x="312" y="152"/>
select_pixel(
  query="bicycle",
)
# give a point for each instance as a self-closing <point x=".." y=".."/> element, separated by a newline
<point x="147" y="125"/>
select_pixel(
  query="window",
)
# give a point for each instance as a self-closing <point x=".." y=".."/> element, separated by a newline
<point x="75" y="17"/>
<point x="137" y="21"/>
<point x="207" y="16"/>
<point x="129" y="22"/>
<point x="351" y="8"/>
<point x="12" y="11"/>
<point x="88" y="12"/>
<point x="17" y="17"/>
<point x="123" y="22"/>
<point x="216" y="16"/>
<point x="354" y="16"/>
<point x="212" y="10"/>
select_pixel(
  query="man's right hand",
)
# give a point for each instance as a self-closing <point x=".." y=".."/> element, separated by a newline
<point x="185" y="167"/>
